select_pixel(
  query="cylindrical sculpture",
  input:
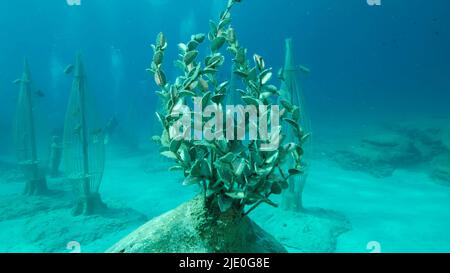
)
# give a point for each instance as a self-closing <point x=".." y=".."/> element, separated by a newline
<point x="83" y="146"/>
<point x="292" y="91"/>
<point x="25" y="137"/>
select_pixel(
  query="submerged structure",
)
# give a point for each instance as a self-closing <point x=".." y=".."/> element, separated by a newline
<point x="55" y="156"/>
<point x="83" y="146"/>
<point x="235" y="176"/>
<point x="25" y="137"/>
<point x="291" y="91"/>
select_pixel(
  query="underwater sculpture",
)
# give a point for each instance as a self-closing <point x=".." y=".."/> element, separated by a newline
<point x="235" y="176"/>
<point x="292" y="92"/>
<point x="55" y="156"/>
<point x="83" y="146"/>
<point x="25" y="137"/>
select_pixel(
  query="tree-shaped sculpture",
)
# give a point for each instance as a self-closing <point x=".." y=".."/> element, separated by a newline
<point x="83" y="144"/>
<point x="291" y="91"/>
<point x="233" y="173"/>
<point x="25" y="137"/>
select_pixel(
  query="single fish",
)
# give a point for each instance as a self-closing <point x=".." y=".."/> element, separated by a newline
<point x="69" y="69"/>
<point x="40" y="94"/>
<point x="304" y="69"/>
<point x="156" y="139"/>
<point x="281" y="74"/>
<point x="97" y="132"/>
<point x="17" y="81"/>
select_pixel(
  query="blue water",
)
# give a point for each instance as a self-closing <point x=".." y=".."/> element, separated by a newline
<point x="369" y="64"/>
<point x="391" y="59"/>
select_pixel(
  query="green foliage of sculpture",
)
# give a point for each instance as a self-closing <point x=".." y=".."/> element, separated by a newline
<point x="233" y="174"/>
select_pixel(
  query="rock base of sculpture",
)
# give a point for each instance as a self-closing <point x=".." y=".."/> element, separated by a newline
<point x="191" y="229"/>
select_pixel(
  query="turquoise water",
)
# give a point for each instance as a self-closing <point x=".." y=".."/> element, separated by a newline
<point x="377" y="97"/>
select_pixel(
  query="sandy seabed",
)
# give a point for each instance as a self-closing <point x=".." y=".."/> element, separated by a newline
<point x="346" y="211"/>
